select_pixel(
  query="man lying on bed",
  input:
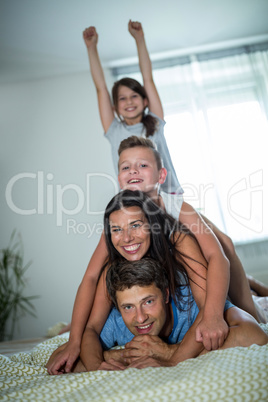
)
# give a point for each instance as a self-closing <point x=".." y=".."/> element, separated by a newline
<point x="149" y="323"/>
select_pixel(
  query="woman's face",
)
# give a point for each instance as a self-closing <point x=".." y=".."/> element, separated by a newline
<point x="130" y="233"/>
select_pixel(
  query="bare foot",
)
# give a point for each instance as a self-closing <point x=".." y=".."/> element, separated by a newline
<point x="65" y="329"/>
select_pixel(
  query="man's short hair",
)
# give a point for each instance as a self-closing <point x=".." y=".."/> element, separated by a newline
<point x="134" y="141"/>
<point x="125" y="274"/>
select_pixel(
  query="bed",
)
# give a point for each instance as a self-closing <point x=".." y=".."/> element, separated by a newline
<point x="237" y="374"/>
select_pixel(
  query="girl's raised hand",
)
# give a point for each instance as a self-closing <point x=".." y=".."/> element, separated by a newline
<point x="90" y="36"/>
<point x="135" y="29"/>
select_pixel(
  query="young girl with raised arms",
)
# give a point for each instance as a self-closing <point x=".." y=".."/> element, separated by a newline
<point x="130" y="103"/>
<point x="138" y="108"/>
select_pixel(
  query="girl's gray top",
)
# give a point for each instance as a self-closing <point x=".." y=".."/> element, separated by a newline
<point x="119" y="131"/>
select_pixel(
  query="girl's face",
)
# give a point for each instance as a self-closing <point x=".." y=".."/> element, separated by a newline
<point x="130" y="233"/>
<point x="130" y="105"/>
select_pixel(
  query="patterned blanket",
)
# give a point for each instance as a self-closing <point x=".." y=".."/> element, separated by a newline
<point x="237" y="374"/>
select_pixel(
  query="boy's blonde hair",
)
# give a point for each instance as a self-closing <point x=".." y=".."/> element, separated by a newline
<point x="134" y="141"/>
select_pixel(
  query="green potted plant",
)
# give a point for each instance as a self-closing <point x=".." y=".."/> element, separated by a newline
<point x="14" y="304"/>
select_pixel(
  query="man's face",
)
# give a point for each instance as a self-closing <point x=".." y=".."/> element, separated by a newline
<point x="138" y="171"/>
<point x="143" y="309"/>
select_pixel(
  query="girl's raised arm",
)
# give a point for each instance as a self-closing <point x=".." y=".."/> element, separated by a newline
<point x="105" y="106"/>
<point x="155" y="105"/>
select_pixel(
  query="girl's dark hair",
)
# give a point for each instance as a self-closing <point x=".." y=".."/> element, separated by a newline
<point x="150" y="123"/>
<point x="162" y="226"/>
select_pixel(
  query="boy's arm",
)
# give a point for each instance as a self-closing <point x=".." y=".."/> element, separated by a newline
<point x="105" y="106"/>
<point x="155" y="105"/>
<point x="212" y="329"/>
<point x="82" y="307"/>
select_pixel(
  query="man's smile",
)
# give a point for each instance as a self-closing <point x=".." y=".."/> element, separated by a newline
<point x="144" y="329"/>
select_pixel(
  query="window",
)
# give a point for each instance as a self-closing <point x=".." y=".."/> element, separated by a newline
<point x="216" y="109"/>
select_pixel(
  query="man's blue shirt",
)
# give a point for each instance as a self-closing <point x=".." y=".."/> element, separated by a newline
<point x="115" y="331"/>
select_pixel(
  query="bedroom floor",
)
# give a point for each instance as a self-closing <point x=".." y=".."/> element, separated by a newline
<point x="9" y="348"/>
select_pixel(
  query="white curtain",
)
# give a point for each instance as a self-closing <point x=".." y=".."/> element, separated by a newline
<point x="216" y="108"/>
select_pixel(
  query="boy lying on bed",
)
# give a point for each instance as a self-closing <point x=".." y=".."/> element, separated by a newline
<point x="149" y="323"/>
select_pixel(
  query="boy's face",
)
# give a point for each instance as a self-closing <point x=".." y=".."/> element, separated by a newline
<point x="143" y="309"/>
<point x="138" y="171"/>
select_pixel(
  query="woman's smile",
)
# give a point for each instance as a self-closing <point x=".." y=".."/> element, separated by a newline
<point x="132" y="249"/>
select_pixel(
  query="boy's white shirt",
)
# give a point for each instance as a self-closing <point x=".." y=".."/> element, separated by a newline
<point x="173" y="203"/>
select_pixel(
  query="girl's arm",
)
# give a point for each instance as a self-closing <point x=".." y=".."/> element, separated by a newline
<point x="155" y="105"/>
<point x="82" y="307"/>
<point x="212" y="329"/>
<point x="105" y="106"/>
<point x="91" y="349"/>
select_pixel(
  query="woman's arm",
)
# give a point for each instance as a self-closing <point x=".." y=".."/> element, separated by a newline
<point x="82" y="307"/>
<point x="105" y="106"/>
<point x="212" y="329"/>
<point x="91" y="349"/>
<point x="155" y="105"/>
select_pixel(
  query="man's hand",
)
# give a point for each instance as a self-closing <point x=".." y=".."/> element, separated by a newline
<point x="113" y="365"/>
<point x="135" y="29"/>
<point x="62" y="359"/>
<point x="147" y="346"/>
<point x="212" y="332"/>
<point x="113" y="354"/>
<point x="90" y="36"/>
<point x="144" y="362"/>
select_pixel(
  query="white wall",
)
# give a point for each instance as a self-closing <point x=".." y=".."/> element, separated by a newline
<point x="254" y="257"/>
<point x="52" y="126"/>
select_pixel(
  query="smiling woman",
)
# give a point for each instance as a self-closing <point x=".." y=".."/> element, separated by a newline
<point x="135" y="227"/>
<point x="130" y="233"/>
